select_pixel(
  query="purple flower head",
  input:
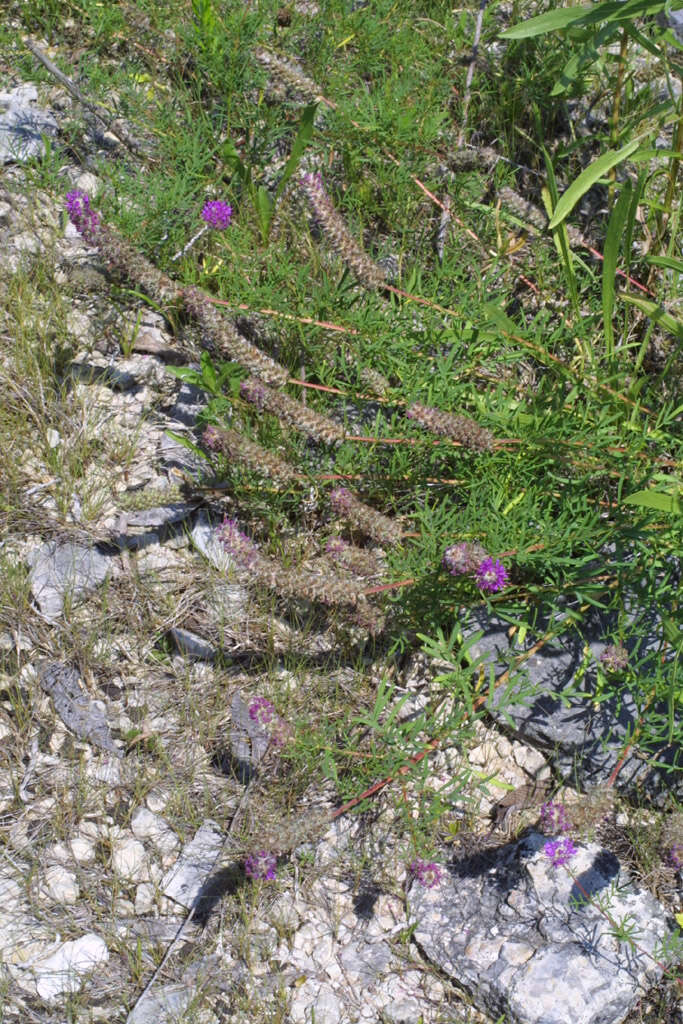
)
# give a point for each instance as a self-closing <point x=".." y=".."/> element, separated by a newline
<point x="242" y="549"/>
<point x="341" y="500"/>
<point x="281" y="732"/>
<point x="217" y="214"/>
<point x="253" y="391"/>
<point x="261" y="711"/>
<point x="211" y="439"/>
<point x="427" y="874"/>
<point x="676" y="856"/>
<point x="491" y="575"/>
<point x="554" y="817"/>
<point x="85" y="220"/>
<point x="336" y="547"/>
<point x="314" y="181"/>
<point x="614" y="658"/>
<point x="462" y="558"/>
<point x="559" y="851"/>
<point x="260" y="866"/>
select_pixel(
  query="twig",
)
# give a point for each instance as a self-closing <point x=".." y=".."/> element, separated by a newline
<point x="444" y="223"/>
<point x="470" y="71"/>
<point x="120" y="132"/>
<point x="176" y="938"/>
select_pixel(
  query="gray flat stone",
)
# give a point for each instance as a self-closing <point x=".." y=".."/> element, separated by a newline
<point x="23" y="125"/>
<point x="192" y="645"/>
<point x="167" y="1004"/>
<point x="84" y="716"/>
<point x="205" y="540"/>
<point x="185" y="880"/>
<point x="521" y="938"/>
<point x="161" y="515"/>
<point x="61" y="568"/>
<point x="584" y="741"/>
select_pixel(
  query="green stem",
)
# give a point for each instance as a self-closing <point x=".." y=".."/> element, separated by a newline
<point x="614" y="120"/>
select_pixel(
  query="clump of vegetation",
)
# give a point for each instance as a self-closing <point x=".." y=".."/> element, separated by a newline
<point x="467" y="401"/>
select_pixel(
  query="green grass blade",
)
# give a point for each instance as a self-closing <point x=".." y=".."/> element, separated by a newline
<point x="551" y="21"/>
<point x="611" y="252"/>
<point x="303" y="137"/>
<point x="658" y="314"/>
<point x="670" y="262"/>
<point x="588" y="178"/>
<point x="560" y="233"/>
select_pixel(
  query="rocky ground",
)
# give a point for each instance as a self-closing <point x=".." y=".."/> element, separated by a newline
<point x="133" y="781"/>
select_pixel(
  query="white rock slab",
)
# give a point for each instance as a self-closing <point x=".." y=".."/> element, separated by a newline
<point x="129" y="860"/>
<point x="146" y="825"/>
<point x="61" y="885"/>
<point x="183" y="882"/>
<point x="22" y="125"/>
<point x="65" y="970"/>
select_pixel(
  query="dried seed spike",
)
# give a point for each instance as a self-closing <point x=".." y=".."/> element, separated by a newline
<point x="373" y="523"/>
<point x="133" y="265"/>
<point x="523" y="209"/>
<point x="339" y="236"/>
<point x="251" y="453"/>
<point x="357" y="560"/>
<point x="531" y="214"/>
<point x="222" y="333"/>
<point x="448" y="424"/>
<point x="325" y="589"/>
<point x="306" y="420"/>
<point x="289" y="74"/>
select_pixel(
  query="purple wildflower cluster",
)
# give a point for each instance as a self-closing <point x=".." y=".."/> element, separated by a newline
<point x="463" y="558"/>
<point x="341" y="500"/>
<point x="559" y="851"/>
<point x="554" y="817"/>
<point x="262" y="711"/>
<point x="260" y="866"/>
<point x="313" y="181"/>
<point x="490" y="574"/>
<point x="82" y="216"/>
<point x="427" y="874"/>
<point x="217" y="214"/>
<point x="252" y="391"/>
<point x="211" y="439"/>
<point x="676" y="856"/>
<point x="242" y="549"/>
<point x="336" y="547"/>
<point x="614" y="658"/>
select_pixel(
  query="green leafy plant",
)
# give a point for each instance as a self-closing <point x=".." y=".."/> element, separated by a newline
<point x="263" y="203"/>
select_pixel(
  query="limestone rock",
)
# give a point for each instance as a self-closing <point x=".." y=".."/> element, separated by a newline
<point x="523" y="939"/>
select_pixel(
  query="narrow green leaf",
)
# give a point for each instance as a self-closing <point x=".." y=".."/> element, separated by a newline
<point x="551" y="21"/>
<point x="654" y="154"/>
<point x="560" y="237"/>
<point x="656" y="500"/>
<point x="611" y="252"/>
<point x="303" y="137"/>
<point x="186" y="443"/>
<point x="666" y="261"/>
<point x="228" y="153"/>
<point x="209" y="379"/>
<point x="588" y="178"/>
<point x="264" y="209"/>
<point x="658" y="314"/>
<point x="643" y="41"/>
